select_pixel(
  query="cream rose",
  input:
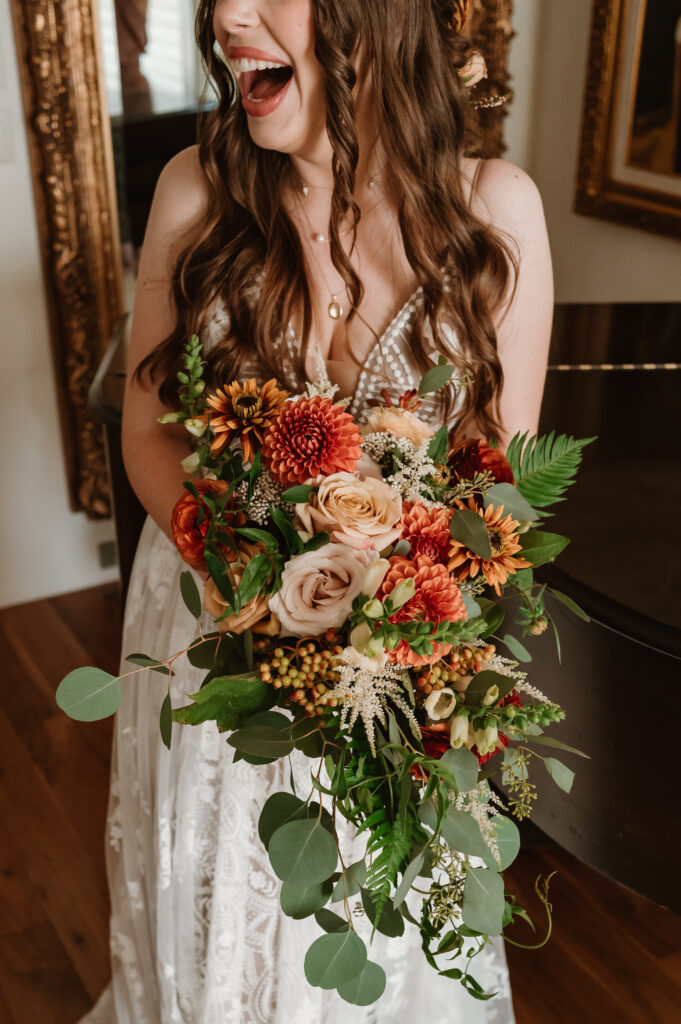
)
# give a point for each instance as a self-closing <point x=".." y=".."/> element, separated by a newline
<point x="474" y="70"/>
<point x="360" y="513"/>
<point x="318" y="588"/>
<point x="399" y="423"/>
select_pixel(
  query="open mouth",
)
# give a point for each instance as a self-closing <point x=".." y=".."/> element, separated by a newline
<point x="265" y="81"/>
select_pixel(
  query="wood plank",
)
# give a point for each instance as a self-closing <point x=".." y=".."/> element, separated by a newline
<point x="72" y="890"/>
<point x="37" y="983"/>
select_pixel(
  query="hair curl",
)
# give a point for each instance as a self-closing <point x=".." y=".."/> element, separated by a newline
<point x="248" y="252"/>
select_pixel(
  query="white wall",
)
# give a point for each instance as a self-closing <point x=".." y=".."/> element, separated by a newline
<point x="45" y="548"/>
<point x="594" y="260"/>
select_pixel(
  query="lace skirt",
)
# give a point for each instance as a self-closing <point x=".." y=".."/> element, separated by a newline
<point x="197" y="933"/>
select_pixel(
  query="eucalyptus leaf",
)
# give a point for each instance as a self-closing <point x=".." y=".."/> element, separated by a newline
<point x="437" y="449"/>
<point x="512" y="500"/>
<point x="144" y="661"/>
<point x="464" y="766"/>
<point x="508" y="843"/>
<point x="190" y="593"/>
<point x="89" y="694"/>
<point x="366" y="988"/>
<point x="517" y="649"/>
<point x="350" y="884"/>
<point x="299" y="900"/>
<point x="472" y="607"/>
<point x="549" y="741"/>
<point x="540" y="546"/>
<point x="390" y="922"/>
<point x="277" y="810"/>
<point x="166" y="721"/>
<point x="483" y="901"/>
<point x="411" y="873"/>
<point x="333" y="960"/>
<point x="261" y="741"/>
<point x="303" y="852"/>
<point x="462" y="833"/>
<point x="560" y="773"/>
<point x="469" y="529"/>
<point x="435" y="379"/>
<point x="331" y="922"/>
<point x="570" y="604"/>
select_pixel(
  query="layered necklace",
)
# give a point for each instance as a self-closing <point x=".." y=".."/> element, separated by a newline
<point x="335" y="309"/>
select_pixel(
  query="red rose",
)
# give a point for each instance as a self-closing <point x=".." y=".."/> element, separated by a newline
<point x="473" y="455"/>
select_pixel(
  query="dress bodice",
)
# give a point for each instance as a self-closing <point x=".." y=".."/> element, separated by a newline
<point x="390" y="364"/>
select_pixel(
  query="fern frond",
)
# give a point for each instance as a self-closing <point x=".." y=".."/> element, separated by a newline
<point x="544" y="467"/>
<point x="389" y="846"/>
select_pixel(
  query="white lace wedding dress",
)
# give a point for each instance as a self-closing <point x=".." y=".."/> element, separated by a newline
<point x="197" y="934"/>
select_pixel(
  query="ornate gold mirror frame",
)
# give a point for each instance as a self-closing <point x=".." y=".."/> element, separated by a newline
<point x="70" y="146"/>
<point x="609" y="184"/>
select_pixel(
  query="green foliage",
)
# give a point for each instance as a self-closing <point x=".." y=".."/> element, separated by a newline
<point x="366" y="987"/>
<point x="89" y="694"/>
<point x="512" y="500"/>
<point x="350" y="882"/>
<point x="190" y="593"/>
<point x="331" y="922"/>
<point x="279" y="809"/>
<point x="166" y="721"/>
<point x="387" y="920"/>
<point x="299" y="900"/>
<point x="539" y="546"/>
<point x="389" y="845"/>
<point x="303" y="852"/>
<point x="333" y="960"/>
<point x="437" y="449"/>
<point x="464" y="767"/>
<point x="411" y="873"/>
<point x="436" y="378"/>
<point x="263" y="741"/>
<point x="569" y="604"/>
<point x="224" y="698"/>
<point x="144" y="661"/>
<point x="544" y="467"/>
<point x="481" y="683"/>
<point x="300" y="494"/>
<point x="508" y="842"/>
<point x="560" y="773"/>
<point x="516" y="648"/>
<point x="468" y="528"/>
<point x="483" y="901"/>
<point x="292" y="539"/>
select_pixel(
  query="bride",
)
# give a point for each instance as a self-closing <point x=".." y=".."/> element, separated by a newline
<point x="328" y="191"/>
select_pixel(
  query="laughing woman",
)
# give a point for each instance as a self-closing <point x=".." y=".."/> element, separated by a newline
<point x="329" y="207"/>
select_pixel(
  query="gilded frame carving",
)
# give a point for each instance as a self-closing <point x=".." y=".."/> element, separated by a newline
<point x="599" y="192"/>
<point x="70" y="147"/>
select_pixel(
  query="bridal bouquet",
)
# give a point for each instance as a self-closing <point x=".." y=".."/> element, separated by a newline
<point x="359" y="580"/>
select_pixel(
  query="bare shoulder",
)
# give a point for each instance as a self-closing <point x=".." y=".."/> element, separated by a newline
<point x="507" y="198"/>
<point x="181" y="201"/>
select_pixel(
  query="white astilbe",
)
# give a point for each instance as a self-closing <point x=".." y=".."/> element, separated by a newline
<point x="415" y="468"/>
<point x="366" y="692"/>
<point x="532" y="691"/>
<point x="483" y="804"/>
<point x="321" y="385"/>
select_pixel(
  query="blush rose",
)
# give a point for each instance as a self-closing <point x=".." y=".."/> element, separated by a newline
<point x="360" y="513"/>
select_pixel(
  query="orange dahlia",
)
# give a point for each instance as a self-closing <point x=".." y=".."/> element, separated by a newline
<point x="245" y="410"/>
<point x="190" y="522"/>
<point x="309" y="437"/>
<point x="503" y="538"/>
<point x="427" y="530"/>
<point x="437" y="599"/>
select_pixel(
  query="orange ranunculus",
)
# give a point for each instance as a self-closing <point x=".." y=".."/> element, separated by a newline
<point x="189" y="533"/>
<point x="437" y="599"/>
<point x="311" y="437"/>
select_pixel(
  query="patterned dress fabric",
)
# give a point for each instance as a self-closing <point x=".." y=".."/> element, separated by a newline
<point x="197" y="933"/>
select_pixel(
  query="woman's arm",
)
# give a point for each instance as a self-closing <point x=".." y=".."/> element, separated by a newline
<point x="152" y="452"/>
<point x="509" y="201"/>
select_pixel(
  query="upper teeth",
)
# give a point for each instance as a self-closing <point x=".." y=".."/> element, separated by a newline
<point x="245" y="64"/>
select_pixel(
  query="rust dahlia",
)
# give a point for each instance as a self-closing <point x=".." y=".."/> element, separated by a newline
<point x="309" y="437"/>
<point x="437" y="599"/>
<point x="503" y="538"/>
<point x="474" y="455"/>
<point x="242" y="409"/>
<point x="427" y="530"/>
<point x="191" y="521"/>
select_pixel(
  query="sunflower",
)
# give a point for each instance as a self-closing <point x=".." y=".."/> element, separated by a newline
<point x="504" y="542"/>
<point x="245" y="410"/>
<point x="311" y="436"/>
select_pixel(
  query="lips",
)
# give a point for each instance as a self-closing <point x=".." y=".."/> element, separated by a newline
<point x="263" y="79"/>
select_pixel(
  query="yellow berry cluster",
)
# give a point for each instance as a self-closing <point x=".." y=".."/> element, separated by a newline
<point x="307" y="671"/>
<point x="461" y="662"/>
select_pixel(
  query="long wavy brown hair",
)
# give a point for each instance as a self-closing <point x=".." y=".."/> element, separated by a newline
<point x="248" y="253"/>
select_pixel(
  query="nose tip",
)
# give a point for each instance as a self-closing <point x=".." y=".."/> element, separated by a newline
<point x="235" y="15"/>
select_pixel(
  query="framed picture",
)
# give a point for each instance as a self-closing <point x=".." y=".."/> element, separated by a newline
<point x="630" y="156"/>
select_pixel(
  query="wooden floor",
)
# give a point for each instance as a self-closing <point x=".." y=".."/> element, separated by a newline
<point x="614" y="958"/>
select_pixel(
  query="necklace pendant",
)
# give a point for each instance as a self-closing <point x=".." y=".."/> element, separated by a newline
<point x="335" y="309"/>
<point x="320" y="237"/>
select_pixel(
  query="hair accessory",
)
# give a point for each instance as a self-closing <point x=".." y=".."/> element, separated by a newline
<point x="460" y="16"/>
<point x="474" y="71"/>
